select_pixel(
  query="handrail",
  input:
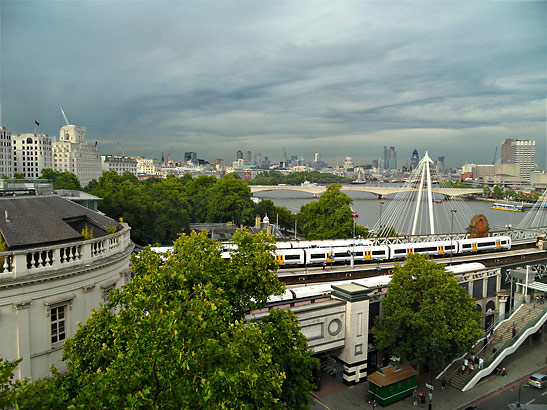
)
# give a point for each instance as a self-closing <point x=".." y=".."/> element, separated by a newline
<point x="509" y="343"/>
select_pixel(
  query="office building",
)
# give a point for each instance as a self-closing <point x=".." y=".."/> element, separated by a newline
<point x="6" y="153"/>
<point x="191" y="158"/>
<point x="31" y="154"/>
<point x="120" y="164"/>
<point x="239" y="155"/>
<point x="414" y="159"/>
<point x="72" y="154"/>
<point x="522" y="152"/>
<point x="258" y="159"/>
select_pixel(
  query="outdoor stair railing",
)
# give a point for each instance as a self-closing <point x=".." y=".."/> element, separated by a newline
<point x="493" y="326"/>
<point x="508" y="347"/>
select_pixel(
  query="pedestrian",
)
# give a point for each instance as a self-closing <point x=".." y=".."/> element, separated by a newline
<point x="443" y="383"/>
<point x="471" y="367"/>
<point x="472" y="359"/>
<point x="463" y="369"/>
<point x="514" y="331"/>
<point x="324" y="265"/>
<point x="466" y="363"/>
<point x="504" y="372"/>
<point x="494" y="350"/>
<point x="415" y="397"/>
<point x="422" y="399"/>
<point x="481" y="363"/>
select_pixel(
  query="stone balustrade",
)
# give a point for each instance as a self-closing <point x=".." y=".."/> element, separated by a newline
<point x="20" y="263"/>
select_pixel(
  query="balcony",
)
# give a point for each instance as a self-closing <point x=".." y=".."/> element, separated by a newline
<point x="22" y="263"/>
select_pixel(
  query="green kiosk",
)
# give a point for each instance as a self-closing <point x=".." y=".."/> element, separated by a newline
<point x="392" y="383"/>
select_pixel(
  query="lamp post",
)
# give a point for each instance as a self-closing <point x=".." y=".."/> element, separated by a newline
<point x="452" y="212"/>
<point x="353" y="251"/>
<point x="381" y="203"/>
<point x="431" y="377"/>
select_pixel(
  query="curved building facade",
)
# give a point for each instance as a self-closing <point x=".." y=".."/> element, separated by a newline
<point x="51" y="277"/>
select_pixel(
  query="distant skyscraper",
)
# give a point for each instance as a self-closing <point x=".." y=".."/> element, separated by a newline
<point x="317" y="157"/>
<point x="239" y="155"/>
<point x="414" y="159"/>
<point x="191" y="157"/>
<point x="392" y="158"/>
<point x="375" y="163"/>
<point x="522" y="152"/>
<point x="385" y="163"/>
<point x="248" y="157"/>
<point x="258" y="159"/>
<point x="440" y="164"/>
<point x="266" y="163"/>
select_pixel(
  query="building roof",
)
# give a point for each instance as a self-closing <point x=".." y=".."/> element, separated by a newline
<point x="33" y="221"/>
<point x="392" y="374"/>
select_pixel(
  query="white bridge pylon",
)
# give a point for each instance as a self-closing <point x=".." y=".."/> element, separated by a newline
<point x="423" y="170"/>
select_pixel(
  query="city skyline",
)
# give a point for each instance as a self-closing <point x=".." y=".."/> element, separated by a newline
<point x="452" y="79"/>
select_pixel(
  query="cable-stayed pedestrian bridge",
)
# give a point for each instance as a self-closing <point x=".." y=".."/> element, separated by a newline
<point x="382" y="192"/>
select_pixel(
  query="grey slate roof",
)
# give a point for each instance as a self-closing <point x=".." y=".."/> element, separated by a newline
<point x="34" y="221"/>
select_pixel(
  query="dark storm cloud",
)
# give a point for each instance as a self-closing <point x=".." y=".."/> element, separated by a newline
<point x="456" y="78"/>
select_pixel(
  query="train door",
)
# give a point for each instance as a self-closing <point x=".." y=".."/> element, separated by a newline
<point x="330" y="257"/>
<point x="441" y="249"/>
<point x="474" y="246"/>
<point x="498" y="244"/>
<point x="279" y="259"/>
<point x="410" y="251"/>
<point x="368" y="255"/>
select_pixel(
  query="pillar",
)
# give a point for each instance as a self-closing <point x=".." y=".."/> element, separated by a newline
<point x="23" y="338"/>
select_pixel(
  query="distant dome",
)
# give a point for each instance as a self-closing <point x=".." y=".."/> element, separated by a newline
<point x="348" y="158"/>
<point x="266" y="220"/>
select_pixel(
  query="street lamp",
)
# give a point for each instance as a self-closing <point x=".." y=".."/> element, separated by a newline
<point x="381" y="203"/>
<point x="452" y="212"/>
<point x="353" y="251"/>
<point x="431" y="377"/>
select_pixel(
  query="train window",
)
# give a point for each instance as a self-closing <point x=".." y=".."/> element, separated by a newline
<point x="381" y="253"/>
<point x="400" y="250"/>
<point x="483" y="244"/>
<point x="426" y="249"/>
<point x="466" y="246"/>
<point x="358" y="253"/>
<point x="449" y="247"/>
<point x="340" y="254"/>
<point x="317" y="255"/>
<point x="292" y="257"/>
<point x="504" y="242"/>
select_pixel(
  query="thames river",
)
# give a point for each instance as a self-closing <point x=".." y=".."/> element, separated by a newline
<point x="368" y="207"/>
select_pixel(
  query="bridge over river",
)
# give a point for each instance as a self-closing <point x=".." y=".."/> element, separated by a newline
<point x="382" y="192"/>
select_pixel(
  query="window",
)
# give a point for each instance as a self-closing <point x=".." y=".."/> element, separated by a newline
<point x="58" y="325"/>
<point x="105" y="292"/>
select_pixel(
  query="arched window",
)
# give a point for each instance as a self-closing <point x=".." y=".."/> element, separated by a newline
<point x="29" y="140"/>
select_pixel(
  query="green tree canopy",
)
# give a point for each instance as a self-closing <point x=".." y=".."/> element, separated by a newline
<point x="330" y="217"/>
<point x="61" y="180"/>
<point x="425" y="304"/>
<point x="175" y="337"/>
<point x="230" y="200"/>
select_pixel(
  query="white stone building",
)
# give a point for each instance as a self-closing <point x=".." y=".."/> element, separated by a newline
<point x="31" y="154"/>
<point x="120" y="164"/>
<point x="51" y="278"/>
<point x="147" y="166"/>
<point x="71" y="153"/>
<point x="6" y="164"/>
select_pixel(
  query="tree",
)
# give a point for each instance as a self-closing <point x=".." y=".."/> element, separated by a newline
<point x="330" y="217"/>
<point x="61" y="180"/>
<point x="19" y="175"/>
<point x="230" y="200"/>
<point x="498" y="191"/>
<point x="179" y="340"/>
<point x="267" y="207"/>
<point x="425" y="304"/>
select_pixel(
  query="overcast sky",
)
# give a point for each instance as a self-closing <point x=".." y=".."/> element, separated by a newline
<point x="452" y="77"/>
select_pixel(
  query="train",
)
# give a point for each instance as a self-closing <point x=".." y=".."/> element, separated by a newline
<point x="309" y="253"/>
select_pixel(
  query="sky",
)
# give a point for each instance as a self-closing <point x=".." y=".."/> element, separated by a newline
<point x="455" y="78"/>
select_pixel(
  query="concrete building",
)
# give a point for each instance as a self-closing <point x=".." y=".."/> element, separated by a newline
<point x="120" y="164"/>
<point x="248" y="156"/>
<point x="191" y="158"/>
<point x="51" y="278"/>
<point x="414" y="159"/>
<point x="258" y="159"/>
<point x="147" y="166"/>
<point x="239" y="155"/>
<point x="72" y="154"/>
<point x="522" y="152"/>
<point x="6" y="153"/>
<point x="31" y="154"/>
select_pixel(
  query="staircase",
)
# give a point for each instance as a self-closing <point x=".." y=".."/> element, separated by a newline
<point x="525" y="320"/>
<point x="330" y="366"/>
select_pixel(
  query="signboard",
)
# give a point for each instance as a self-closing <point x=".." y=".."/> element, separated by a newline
<point x="430" y="387"/>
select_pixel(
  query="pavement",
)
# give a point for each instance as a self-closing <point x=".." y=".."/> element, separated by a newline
<point x="529" y="358"/>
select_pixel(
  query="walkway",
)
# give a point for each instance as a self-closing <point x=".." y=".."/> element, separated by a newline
<point x="527" y="360"/>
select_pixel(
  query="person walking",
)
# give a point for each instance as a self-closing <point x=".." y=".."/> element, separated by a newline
<point x="481" y="363"/>
<point x="422" y="399"/>
<point x="443" y="383"/>
<point x="415" y="397"/>
<point x="504" y="372"/>
<point x="463" y="369"/>
<point x="514" y="331"/>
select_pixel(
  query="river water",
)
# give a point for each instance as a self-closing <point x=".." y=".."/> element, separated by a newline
<point x="368" y="207"/>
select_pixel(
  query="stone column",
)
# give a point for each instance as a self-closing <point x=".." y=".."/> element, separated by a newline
<point x="502" y="300"/>
<point x="23" y="338"/>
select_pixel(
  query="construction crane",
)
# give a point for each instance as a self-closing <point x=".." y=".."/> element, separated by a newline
<point x="168" y="155"/>
<point x="64" y="115"/>
<point x="495" y="155"/>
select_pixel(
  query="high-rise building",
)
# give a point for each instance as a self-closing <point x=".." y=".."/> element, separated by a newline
<point x="31" y="154"/>
<point x="248" y="157"/>
<point x="375" y="163"/>
<point x="414" y="159"/>
<point x="239" y="155"/>
<point x="522" y="152"/>
<point x="258" y="159"/>
<point x="392" y="158"/>
<point x="6" y="153"/>
<point x="385" y="163"/>
<point x="317" y="157"/>
<point x="72" y="154"/>
<point x="440" y="164"/>
<point x="191" y="157"/>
